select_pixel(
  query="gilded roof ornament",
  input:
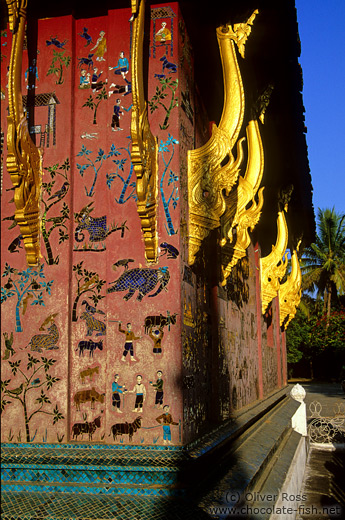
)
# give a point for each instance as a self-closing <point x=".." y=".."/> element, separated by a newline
<point x="212" y="168"/>
<point x="243" y="212"/>
<point x="144" y="154"/>
<point x="273" y="266"/>
<point x="24" y="160"/>
<point x="290" y="291"/>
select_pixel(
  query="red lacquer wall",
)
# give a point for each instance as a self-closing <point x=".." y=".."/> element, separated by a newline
<point x="192" y="345"/>
<point x="68" y="346"/>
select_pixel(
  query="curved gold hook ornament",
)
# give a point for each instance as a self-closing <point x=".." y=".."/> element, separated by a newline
<point x="144" y="154"/>
<point x="290" y="292"/>
<point x="243" y="212"/>
<point x="24" y="160"/>
<point x="273" y="266"/>
<point x="209" y="179"/>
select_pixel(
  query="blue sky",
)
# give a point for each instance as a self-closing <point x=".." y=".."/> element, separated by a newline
<point x="322" y="34"/>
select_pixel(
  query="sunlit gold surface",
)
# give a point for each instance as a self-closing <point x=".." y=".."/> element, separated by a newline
<point x="290" y="292"/>
<point x="273" y="266"/>
<point x="24" y="161"/>
<point x="212" y="168"/>
<point x="144" y="145"/>
<point x="243" y="212"/>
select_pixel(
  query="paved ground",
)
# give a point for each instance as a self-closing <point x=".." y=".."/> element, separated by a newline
<point x="324" y="480"/>
<point x="329" y="395"/>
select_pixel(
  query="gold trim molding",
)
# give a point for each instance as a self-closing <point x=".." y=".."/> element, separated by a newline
<point x="240" y="217"/>
<point x="290" y="292"/>
<point x="273" y="266"/>
<point x="144" y="154"/>
<point x="24" y="160"/>
<point x="212" y="168"/>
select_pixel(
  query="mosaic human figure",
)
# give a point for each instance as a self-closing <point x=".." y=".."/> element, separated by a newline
<point x="115" y="121"/>
<point x="84" y="80"/>
<point x="117" y="389"/>
<point x="122" y="66"/>
<point x="167" y="420"/>
<point x="130" y="337"/>
<point x="163" y="35"/>
<point x="158" y="386"/>
<point x="95" y="84"/>
<point x="156" y="335"/>
<point x="100" y="47"/>
<point x="140" y="394"/>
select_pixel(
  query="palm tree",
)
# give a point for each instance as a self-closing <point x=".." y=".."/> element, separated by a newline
<point x="323" y="264"/>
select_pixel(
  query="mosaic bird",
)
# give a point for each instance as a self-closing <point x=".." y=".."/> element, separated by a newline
<point x="16" y="391"/>
<point x="36" y="381"/>
<point x="90" y="309"/>
<point x="61" y="192"/>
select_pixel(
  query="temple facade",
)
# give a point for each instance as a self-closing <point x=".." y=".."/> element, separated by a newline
<point x="147" y="226"/>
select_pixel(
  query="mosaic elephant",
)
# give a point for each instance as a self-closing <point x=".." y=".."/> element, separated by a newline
<point x="142" y="280"/>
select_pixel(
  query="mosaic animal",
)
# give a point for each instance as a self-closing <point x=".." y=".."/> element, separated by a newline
<point x="86" y="427"/>
<point x="87" y="62"/>
<point x="91" y="309"/>
<point x="125" y="428"/>
<point x="124" y="262"/>
<point x="85" y="396"/>
<point x="16" y="391"/>
<point x="170" y="250"/>
<point x="89" y="284"/>
<point x="25" y="302"/>
<point x="45" y="341"/>
<point x="93" y="324"/>
<point x="141" y="279"/>
<point x="96" y="226"/>
<point x="9" y="350"/>
<point x="54" y="41"/>
<point x="159" y="321"/>
<point x="166" y="65"/>
<point x="88" y="372"/>
<point x="15" y="245"/>
<point x="86" y="35"/>
<point x="49" y="319"/>
<point x="60" y="192"/>
<point x="89" y="345"/>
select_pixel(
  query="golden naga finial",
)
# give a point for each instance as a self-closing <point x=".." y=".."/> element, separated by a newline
<point x="144" y="154"/>
<point x="209" y="179"/>
<point x="24" y="161"/>
<point x="243" y="212"/>
<point x="241" y="32"/>
<point x="290" y="292"/>
<point x="273" y="266"/>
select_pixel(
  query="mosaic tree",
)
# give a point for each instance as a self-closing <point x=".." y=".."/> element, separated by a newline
<point x="30" y="381"/>
<point x="170" y="184"/>
<point x="87" y="282"/>
<point x="93" y="103"/>
<point x="95" y="165"/>
<point x="24" y="285"/>
<point x="120" y="167"/>
<point x="160" y="95"/>
<point x="56" y="66"/>
<point x="50" y="199"/>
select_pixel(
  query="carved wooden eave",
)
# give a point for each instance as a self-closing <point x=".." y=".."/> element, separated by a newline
<point x="209" y="179"/>
<point x="273" y="266"/>
<point x="144" y="154"/>
<point x="24" y="160"/>
<point x="290" y="292"/>
<point x="243" y="212"/>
